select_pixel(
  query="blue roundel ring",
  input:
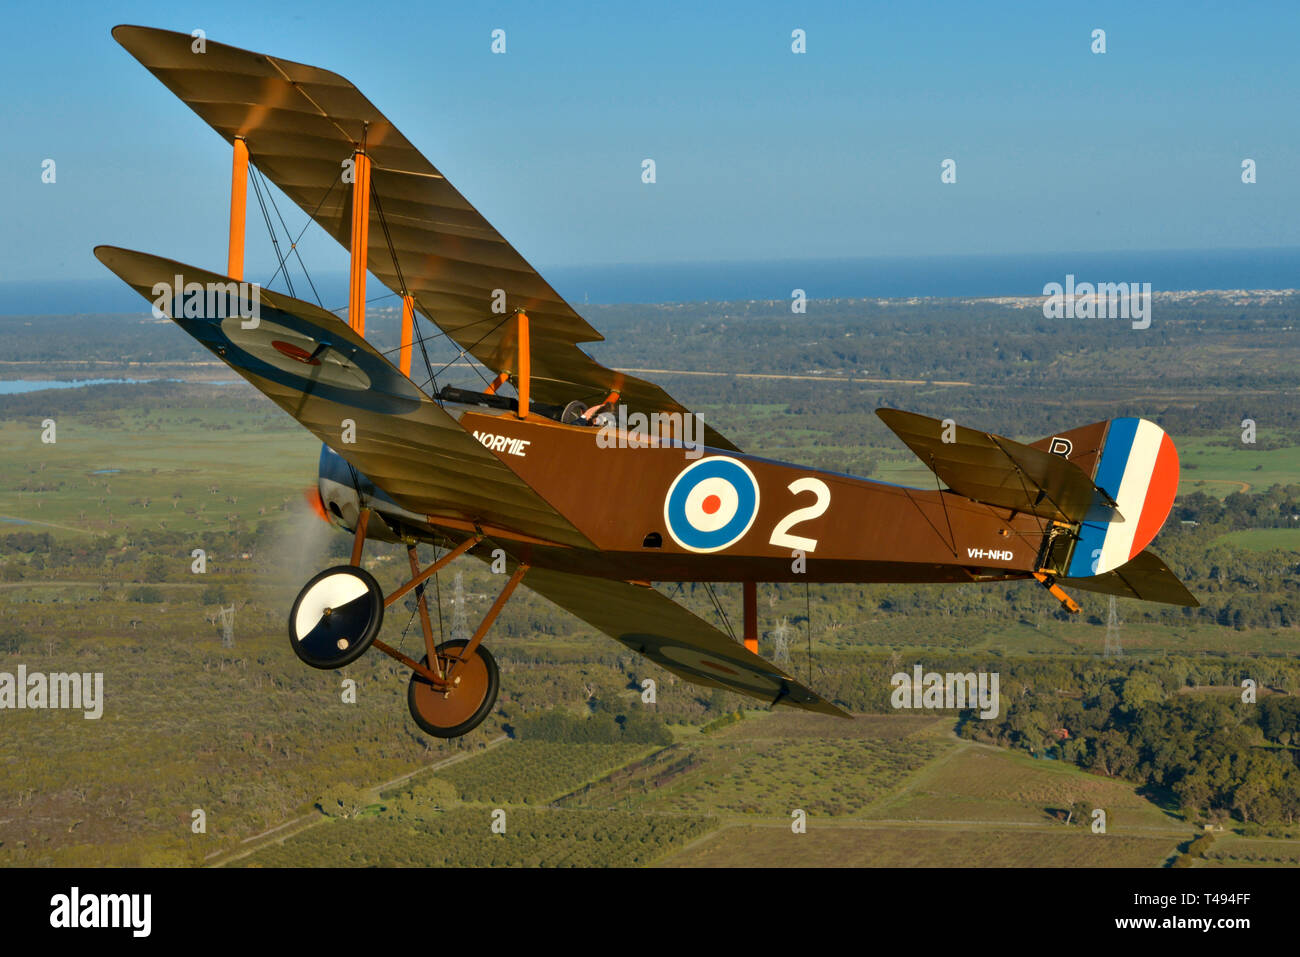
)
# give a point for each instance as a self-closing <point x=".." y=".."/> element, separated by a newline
<point x="387" y="390"/>
<point x="727" y="471"/>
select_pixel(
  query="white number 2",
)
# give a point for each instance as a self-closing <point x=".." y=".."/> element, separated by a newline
<point x="781" y="536"/>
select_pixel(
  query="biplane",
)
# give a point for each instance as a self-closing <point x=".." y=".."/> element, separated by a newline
<point x="517" y="469"/>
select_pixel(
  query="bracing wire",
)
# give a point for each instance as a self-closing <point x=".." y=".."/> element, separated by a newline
<point x="807" y="621"/>
<point x="293" y="246"/>
<point x="722" y="613"/>
<point x="275" y="239"/>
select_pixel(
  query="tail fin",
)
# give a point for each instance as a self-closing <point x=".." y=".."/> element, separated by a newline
<point x="1135" y="463"/>
<point x="1115" y="480"/>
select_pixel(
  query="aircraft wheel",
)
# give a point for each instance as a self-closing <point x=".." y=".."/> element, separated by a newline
<point x="460" y="710"/>
<point x="336" y="616"/>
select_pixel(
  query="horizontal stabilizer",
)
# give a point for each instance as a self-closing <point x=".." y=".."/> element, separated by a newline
<point x="998" y="471"/>
<point x="1146" y="577"/>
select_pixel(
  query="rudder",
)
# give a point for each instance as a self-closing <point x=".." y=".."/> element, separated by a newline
<point x="1138" y="467"/>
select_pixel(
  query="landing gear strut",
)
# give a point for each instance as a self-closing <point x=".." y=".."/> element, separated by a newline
<point x="337" y="617"/>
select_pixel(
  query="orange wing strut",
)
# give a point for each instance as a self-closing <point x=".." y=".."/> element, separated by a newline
<point x="238" y="207"/>
<point x="360" y="242"/>
<point x="408" y="334"/>
<point x="525" y="363"/>
<point x="751" y="616"/>
<point x="497" y="383"/>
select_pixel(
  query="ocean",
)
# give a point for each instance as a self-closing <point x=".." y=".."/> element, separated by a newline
<point x="874" y="277"/>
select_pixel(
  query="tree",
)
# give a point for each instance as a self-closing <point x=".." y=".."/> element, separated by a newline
<point x="1193" y="793"/>
<point x="343" y="800"/>
<point x="1114" y="755"/>
<point x="1140" y="690"/>
<point x="1254" y="800"/>
<point x="1029" y="727"/>
<point x="13" y="639"/>
<point x="155" y="569"/>
<point x="1080" y="813"/>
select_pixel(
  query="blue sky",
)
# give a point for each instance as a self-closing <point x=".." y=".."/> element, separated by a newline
<point x="760" y="153"/>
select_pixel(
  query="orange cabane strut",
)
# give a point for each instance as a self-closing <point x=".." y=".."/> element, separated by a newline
<point x="238" y="207"/>
<point x="523" y="379"/>
<point x="523" y="382"/>
<point x="408" y="334"/>
<point x="360" y="242"/>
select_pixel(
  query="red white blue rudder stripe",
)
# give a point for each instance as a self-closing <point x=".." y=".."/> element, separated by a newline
<point x="1138" y="468"/>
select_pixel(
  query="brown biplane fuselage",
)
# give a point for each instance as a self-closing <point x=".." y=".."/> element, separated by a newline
<point x="829" y="527"/>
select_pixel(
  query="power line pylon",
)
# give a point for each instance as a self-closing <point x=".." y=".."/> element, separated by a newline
<point x="1114" y="648"/>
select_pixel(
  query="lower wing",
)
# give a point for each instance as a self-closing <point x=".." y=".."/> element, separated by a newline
<point x="654" y="625"/>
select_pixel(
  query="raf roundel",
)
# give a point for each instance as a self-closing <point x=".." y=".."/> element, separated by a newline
<point x="711" y="504"/>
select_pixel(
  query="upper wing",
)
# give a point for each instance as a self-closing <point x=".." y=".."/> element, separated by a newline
<point x="301" y="124"/>
<point x="316" y="368"/>
<point x="654" y="625"/>
<point x="999" y="471"/>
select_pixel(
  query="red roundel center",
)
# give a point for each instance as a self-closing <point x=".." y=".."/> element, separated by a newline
<point x="717" y="667"/>
<point x="294" y="352"/>
<point x="711" y="504"/>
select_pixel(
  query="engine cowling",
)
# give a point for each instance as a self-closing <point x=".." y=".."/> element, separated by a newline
<point x="344" y="492"/>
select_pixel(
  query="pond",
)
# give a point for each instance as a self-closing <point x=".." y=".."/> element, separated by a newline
<point x="16" y="386"/>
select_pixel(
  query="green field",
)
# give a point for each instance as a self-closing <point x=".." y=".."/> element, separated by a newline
<point x="464" y="837"/>
<point x="954" y="804"/>
<point x="1264" y="539"/>
<point x="196" y="467"/>
<point x="1232" y="850"/>
<point x="1218" y="469"/>
<point x="979" y="783"/>
<point x="988" y="846"/>
<point x="532" y="772"/>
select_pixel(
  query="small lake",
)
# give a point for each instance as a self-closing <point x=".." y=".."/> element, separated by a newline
<point x="16" y="386"/>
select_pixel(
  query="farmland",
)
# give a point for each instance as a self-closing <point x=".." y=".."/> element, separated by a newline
<point x="98" y="532"/>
